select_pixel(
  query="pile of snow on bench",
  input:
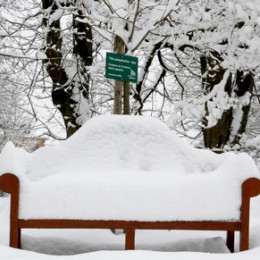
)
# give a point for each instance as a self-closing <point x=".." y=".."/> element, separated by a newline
<point x="127" y="168"/>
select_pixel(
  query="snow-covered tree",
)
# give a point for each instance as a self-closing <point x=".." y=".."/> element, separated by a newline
<point x="68" y="51"/>
<point x="15" y="123"/>
<point x="198" y="60"/>
<point x="221" y="39"/>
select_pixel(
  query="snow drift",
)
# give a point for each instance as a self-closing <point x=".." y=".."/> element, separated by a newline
<point x="10" y="254"/>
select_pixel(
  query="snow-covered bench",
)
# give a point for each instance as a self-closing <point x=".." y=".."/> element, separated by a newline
<point x="126" y="172"/>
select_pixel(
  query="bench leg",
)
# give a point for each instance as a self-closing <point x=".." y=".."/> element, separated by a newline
<point x="231" y="241"/>
<point x="129" y="239"/>
<point x="244" y="237"/>
<point x="15" y="237"/>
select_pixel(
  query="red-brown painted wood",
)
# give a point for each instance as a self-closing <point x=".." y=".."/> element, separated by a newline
<point x="129" y="239"/>
<point x="121" y="224"/>
<point x="9" y="183"/>
<point x="250" y="188"/>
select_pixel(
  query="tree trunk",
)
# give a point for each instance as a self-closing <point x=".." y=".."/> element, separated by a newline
<point x="68" y="93"/>
<point x="233" y="121"/>
<point x="218" y="135"/>
<point x="244" y="84"/>
<point x="82" y="50"/>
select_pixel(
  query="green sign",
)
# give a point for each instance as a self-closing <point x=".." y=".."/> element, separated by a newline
<point x="121" y="67"/>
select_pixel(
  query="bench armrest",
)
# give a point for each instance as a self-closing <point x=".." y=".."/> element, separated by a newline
<point x="9" y="183"/>
<point x="250" y="188"/>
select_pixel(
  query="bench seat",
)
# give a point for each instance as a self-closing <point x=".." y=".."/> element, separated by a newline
<point x="131" y="196"/>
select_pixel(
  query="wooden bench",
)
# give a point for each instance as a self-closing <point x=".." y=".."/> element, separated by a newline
<point x="134" y="174"/>
<point x="9" y="183"/>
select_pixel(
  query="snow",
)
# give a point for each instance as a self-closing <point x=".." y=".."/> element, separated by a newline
<point x="103" y="244"/>
<point x="117" y="159"/>
<point x="13" y="254"/>
<point x="82" y="111"/>
<point x="254" y="142"/>
<point x="56" y="15"/>
<point x="133" y="165"/>
<point x="41" y="55"/>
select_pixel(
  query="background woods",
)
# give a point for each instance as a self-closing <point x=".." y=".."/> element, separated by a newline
<point x="198" y="66"/>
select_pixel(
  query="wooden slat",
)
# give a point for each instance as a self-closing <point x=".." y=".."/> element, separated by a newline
<point x="117" y="224"/>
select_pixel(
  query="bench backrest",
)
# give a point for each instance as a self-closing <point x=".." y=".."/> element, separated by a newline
<point x="121" y="143"/>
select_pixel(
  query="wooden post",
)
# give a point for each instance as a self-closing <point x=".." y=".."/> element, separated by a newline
<point x="9" y="183"/>
<point x="119" y="47"/>
<point x="130" y="239"/>
<point x="118" y="97"/>
<point x="126" y="99"/>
